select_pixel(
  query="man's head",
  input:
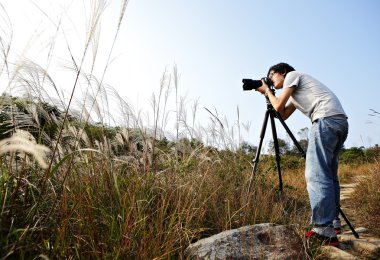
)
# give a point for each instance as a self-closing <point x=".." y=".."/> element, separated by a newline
<point x="278" y="72"/>
<point x="282" y="68"/>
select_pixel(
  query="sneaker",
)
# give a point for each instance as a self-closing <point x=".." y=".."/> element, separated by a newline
<point x="326" y="241"/>
<point x="337" y="226"/>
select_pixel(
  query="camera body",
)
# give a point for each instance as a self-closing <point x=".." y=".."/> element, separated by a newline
<point x="249" y="84"/>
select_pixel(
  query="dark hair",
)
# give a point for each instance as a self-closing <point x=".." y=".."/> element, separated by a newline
<point x="282" y="68"/>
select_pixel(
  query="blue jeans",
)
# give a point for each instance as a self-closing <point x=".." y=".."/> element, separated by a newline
<point x="326" y="138"/>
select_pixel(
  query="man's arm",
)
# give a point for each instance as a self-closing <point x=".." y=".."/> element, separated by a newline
<point x="279" y="103"/>
<point x="289" y="109"/>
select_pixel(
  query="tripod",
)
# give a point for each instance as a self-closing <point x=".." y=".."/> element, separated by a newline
<point x="271" y="114"/>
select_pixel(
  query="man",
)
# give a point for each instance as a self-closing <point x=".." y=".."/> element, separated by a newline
<point x="328" y="132"/>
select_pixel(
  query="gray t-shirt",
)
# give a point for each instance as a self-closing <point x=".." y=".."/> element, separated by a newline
<point x="312" y="97"/>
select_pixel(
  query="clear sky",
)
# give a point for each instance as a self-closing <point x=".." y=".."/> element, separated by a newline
<point x="215" y="44"/>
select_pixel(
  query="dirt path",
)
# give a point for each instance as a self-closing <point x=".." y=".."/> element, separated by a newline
<point x="364" y="247"/>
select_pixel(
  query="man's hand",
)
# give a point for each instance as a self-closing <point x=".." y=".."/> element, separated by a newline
<point x="263" y="87"/>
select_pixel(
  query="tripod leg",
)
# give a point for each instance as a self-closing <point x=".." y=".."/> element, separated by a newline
<point x="257" y="157"/>
<point x="276" y="149"/>
<point x="348" y="222"/>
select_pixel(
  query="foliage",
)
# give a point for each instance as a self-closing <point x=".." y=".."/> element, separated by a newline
<point x="294" y="150"/>
<point x="359" y="155"/>
<point x="293" y="162"/>
<point x="248" y="148"/>
<point x="283" y="146"/>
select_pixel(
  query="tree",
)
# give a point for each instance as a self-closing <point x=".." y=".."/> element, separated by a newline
<point x="283" y="146"/>
<point x="353" y="155"/>
<point x="303" y="143"/>
<point x="303" y="133"/>
<point x="248" y="148"/>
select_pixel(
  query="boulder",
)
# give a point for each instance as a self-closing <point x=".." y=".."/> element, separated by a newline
<point x="262" y="241"/>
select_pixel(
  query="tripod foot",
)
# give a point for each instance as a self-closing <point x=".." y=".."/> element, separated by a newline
<point x="356" y="235"/>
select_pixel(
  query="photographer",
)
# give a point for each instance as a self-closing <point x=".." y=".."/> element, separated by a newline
<point x="328" y="132"/>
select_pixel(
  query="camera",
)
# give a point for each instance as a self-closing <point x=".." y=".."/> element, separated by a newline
<point x="249" y="84"/>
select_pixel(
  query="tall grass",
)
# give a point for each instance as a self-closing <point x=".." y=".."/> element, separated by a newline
<point x="117" y="208"/>
<point x="367" y="197"/>
<point x="110" y="194"/>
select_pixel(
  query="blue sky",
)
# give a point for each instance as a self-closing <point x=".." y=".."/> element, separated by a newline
<point x="215" y="44"/>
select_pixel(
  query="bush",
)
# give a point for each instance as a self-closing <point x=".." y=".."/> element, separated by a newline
<point x="293" y="162"/>
<point x="357" y="155"/>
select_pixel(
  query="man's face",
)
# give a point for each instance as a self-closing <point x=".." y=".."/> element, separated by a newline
<point x="277" y="78"/>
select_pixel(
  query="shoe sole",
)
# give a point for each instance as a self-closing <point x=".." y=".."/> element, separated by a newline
<point x="326" y="241"/>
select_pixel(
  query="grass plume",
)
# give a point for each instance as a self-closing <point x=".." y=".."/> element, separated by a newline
<point x="23" y="142"/>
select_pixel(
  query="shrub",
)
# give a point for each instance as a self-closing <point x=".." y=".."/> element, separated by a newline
<point x="359" y="155"/>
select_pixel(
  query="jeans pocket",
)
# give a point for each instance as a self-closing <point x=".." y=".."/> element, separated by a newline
<point x="334" y="132"/>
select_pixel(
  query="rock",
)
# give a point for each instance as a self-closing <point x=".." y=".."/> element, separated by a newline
<point x="330" y="252"/>
<point x="262" y="241"/>
<point x="365" y="247"/>
<point x="358" y="230"/>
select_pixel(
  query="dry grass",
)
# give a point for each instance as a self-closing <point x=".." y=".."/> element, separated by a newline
<point x="99" y="206"/>
<point x="366" y="197"/>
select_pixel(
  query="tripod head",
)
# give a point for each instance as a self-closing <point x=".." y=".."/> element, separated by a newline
<point x="269" y="104"/>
